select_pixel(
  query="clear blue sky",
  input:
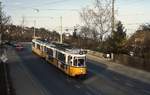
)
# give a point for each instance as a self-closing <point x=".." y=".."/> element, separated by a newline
<point x="131" y="12"/>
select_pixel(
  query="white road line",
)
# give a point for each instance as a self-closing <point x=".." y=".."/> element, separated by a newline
<point x="77" y="86"/>
<point x="68" y="80"/>
<point x="146" y="91"/>
<point x="35" y="82"/>
<point x="88" y="93"/>
<point x="115" y="78"/>
<point x="129" y="84"/>
<point x="96" y="73"/>
<point x="93" y="90"/>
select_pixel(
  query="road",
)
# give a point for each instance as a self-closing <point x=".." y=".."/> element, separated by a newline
<point x="100" y="80"/>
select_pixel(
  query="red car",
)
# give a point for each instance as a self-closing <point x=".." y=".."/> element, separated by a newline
<point x="18" y="47"/>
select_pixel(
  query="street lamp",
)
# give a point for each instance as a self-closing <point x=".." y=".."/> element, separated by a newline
<point x="61" y="34"/>
<point x="35" y="10"/>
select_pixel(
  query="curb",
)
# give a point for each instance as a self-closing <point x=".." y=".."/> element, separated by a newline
<point x="134" y="73"/>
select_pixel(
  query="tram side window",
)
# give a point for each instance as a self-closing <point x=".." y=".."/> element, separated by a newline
<point x="61" y="57"/>
<point x="45" y="49"/>
<point x="50" y="51"/>
<point x="38" y="46"/>
<point x="69" y="60"/>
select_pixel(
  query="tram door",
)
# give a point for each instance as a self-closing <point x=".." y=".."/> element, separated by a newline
<point x="70" y="63"/>
<point x="50" y="55"/>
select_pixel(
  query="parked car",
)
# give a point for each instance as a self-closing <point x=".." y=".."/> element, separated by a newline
<point x="19" y="46"/>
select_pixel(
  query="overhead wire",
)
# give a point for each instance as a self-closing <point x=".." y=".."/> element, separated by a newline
<point x="54" y="2"/>
<point x="36" y="6"/>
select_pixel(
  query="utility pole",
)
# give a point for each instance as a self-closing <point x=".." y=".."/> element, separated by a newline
<point x="36" y="10"/>
<point x="113" y="15"/>
<point x="22" y="23"/>
<point x="61" y="34"/>
<point x="34" y="28"/>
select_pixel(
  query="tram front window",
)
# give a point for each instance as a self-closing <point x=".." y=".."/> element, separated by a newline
<point x="79" y="62"/>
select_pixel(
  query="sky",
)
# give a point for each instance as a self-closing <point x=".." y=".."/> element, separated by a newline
<point x="131" y="12"/>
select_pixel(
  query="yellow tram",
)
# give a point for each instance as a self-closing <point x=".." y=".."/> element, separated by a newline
<point x="70" y="60"/>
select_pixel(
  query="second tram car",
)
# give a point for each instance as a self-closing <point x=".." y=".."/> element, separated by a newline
<point x="70" y="60"/>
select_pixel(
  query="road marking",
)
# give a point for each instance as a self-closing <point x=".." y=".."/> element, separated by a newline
<point x="88" y="93"/>
<point x="146" y="91"/>
<point x="92" y="71"/>
<point x="35" y="82"/>
<point x="94" y="91"/>
<point x="129" y="84"/>
<point x="77" y="86"/>
<point x="115" y="78"/>
<point x="68" y="80"/>
<point x="96" y="73"/>
<point x="90" y="80"/>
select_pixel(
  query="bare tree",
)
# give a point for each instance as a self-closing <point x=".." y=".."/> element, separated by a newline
<point x="98" y="17"/>
<point x="4" y="20"/>
<point x="144" y="27"/>
<point x="86" y="18"/>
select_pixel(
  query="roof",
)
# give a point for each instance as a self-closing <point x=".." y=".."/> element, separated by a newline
<point x="60" y="46"/>
<point x="39" y="41"/>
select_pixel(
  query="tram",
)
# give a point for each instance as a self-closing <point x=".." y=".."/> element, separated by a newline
<point x="71" y="61"/>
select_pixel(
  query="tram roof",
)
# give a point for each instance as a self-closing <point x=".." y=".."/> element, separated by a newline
<point x="67" y="48"/>
<point x="39" y="41"/>
<point x="59" y="46"/>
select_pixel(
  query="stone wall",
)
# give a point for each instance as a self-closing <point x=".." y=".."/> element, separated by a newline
<point x="94" y="53"/>
<point x="135" y="62"/>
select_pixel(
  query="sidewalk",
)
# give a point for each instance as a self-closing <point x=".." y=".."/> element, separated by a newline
<point x="122" y="69"/>
<point x="23" y="81"/>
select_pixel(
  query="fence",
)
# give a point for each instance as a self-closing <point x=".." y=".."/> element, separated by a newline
<point x="98" y="54"/>
<point x="135" y="62"/>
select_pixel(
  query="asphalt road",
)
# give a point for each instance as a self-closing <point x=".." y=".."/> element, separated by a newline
<point x="100" y="80"/>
